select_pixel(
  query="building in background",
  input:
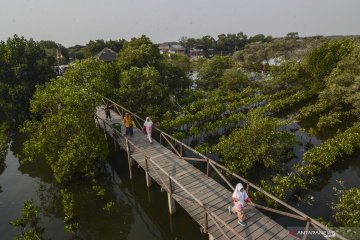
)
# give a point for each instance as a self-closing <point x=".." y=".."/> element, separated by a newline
<point x="106" y="55"/>
<point x="171" y="48"/>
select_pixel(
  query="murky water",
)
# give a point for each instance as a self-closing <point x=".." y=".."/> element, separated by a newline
<point x="344" y="174"/>
<point x="138" y="213"/>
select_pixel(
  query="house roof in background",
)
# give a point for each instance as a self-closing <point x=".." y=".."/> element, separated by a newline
<point x="107" y="55"/>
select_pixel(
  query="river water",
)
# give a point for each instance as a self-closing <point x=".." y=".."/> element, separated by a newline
<point x="139" y="212"/>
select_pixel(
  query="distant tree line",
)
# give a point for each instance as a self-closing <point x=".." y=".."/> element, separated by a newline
<point x="228" y="43"/>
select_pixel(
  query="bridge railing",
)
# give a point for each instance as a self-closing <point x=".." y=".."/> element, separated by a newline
<point x="169" y="183"/>
<point x="179" y="149"/>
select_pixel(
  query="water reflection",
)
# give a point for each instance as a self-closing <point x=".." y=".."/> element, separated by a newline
<point x="3" y="150"/>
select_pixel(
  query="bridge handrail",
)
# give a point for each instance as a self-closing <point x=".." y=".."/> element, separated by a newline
<point x="208" y="211"/>
<point x="212" y="163"/>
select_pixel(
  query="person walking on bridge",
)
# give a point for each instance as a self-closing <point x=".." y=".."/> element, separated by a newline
<point x="107" y="110"/>
<point x="128" y="123"/>
<point x="240" y="198"/>
<point x="148" y="125"/>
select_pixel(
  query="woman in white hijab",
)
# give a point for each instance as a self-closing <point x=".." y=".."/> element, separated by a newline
<point x="240" y="198"/>
<point x="148" y="125"/>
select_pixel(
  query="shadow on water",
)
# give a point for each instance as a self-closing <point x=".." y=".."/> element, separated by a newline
<point x="138" y="212"/>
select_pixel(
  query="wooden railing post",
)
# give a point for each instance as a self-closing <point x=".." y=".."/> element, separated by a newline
<point x="306" y="229"/>
<point x="160" y="137"/>
<point x="181" y="150"/>
<point x="129" y="157"/>
<point x="97" y="121"/>
<point x="247" y="187"/>
<point x="206" y="221"/>
<point x="207" y="167"/>
<point x="170" y="185"/>
<point x="171" y="201"/>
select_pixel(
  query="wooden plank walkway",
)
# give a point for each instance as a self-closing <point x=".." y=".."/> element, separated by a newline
<point x="213" y="195"/>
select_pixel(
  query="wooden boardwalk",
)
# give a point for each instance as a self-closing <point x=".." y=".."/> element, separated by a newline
<point x="203" y="198"/>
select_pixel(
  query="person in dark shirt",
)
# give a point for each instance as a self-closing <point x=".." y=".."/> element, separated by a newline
<point x="107" y="111"/>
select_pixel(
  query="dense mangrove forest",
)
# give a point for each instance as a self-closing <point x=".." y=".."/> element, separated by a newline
<point x="281" y="112"/>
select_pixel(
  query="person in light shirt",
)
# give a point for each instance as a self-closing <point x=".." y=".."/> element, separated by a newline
<point x="239" y="198"/>
<point x="148" y="125"/>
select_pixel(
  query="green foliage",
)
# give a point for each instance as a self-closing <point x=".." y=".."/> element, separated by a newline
<point x="176" y="73"/>
<point x="68" y="203"/>
<point x="78" y="52"/>
<point x="139" y="52"/>
<point x="231" y="42"/>
<point x="278" y="50"/>
<point x="347" y="208"/>
<point x="257" y="38"/>
<point x="333" y="107"/>
<point x="4" y="140"/>
<point x="281" y="186"/>
<point x="321" y="61"/>
<point x="331" y="101"/>
<point x="23" y="65"/>
<point x="93" y="47"/>
<point x="292" y="35"/>
<point x="63" y="132"/>
<point x="51" y="50"/>
<point x="322" y="157"/>
<point x="211" y="71"/>
<point x="338" y="103"/>
<point x="100" y="192"/>
<point x="28" y="222"/>
<point x="142" y="89"/>
<point x="225" y="44"/>
<point x="254" y="53"/>
<point x="109" y="206"/>
<point x="210" y="111"/>
<point x="234" y="80"/>
<point x="258" y="141"/>
<point x="147" y="77"/>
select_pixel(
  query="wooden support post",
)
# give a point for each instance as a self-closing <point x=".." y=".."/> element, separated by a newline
<point x="97" y="121"/>
<point x="105" y="129"/>
<point x="148" y="194"/>
<point x="160" y="137"/>
<point x="148" y="178"/>
<point x="129" y="158"/>
<point x="115" y="144"/>
<point x="247" y="187"/>
<point x="171" y="225"/>
<point x="207" y="167"/>
<point x="206" y="221"/>
<point x="306" y="229"/>
<point x="171" y="201"/>
<point x="181" y="150"/>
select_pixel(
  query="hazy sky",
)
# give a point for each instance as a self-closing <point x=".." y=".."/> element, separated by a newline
<point x="73" y="22"/>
